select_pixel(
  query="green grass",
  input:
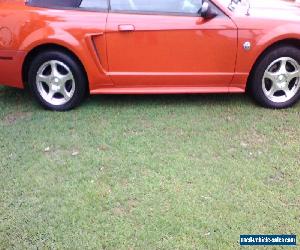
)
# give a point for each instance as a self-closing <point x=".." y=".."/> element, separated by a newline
<point x="146" y="172"/>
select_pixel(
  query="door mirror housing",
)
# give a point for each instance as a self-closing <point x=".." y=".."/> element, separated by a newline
<point x="207" y="11"/>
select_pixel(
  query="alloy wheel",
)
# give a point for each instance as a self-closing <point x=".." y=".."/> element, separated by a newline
<point x="281" y="80"/>
<point x="55" y="82"/>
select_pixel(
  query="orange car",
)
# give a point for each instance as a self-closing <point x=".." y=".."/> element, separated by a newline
<point x="63" y="49"/>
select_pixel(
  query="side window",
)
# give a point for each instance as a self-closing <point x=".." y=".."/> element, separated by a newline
<point x="54" y="3"/>
<point x="168" y="6"/>
<point x="94" y="4"/>
<point x="88" y="4"/>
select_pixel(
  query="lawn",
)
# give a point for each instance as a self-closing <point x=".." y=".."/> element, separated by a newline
<point x="146" y="172"/>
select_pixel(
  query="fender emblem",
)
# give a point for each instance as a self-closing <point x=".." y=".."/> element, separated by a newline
<point x="247" y="46"/>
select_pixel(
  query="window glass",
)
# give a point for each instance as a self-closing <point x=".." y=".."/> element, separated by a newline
<point x="91" y="4"/>
<point x="94" y="4"/>
<point x="55" y="3"/>
<point x="172" y="6"/>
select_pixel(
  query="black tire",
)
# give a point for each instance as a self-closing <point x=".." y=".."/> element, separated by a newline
<point x="79" y="76"/>
<point x="255" y="86"/>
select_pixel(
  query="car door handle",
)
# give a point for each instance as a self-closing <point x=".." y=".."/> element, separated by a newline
<point x="126" y="27"/>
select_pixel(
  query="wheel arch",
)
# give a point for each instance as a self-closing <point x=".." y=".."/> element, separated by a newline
<point x="44" y="47"/>
<point x="295" y="42"/>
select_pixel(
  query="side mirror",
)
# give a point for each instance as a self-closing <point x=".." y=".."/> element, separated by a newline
<point x="207" y="12"/>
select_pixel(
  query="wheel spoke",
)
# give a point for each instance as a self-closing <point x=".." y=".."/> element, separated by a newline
<point x="50" y="94"/>
<point x="287" y="92"/>
<point x="292" y="75"/>
<point x="43" y="78"/>
<point x="282" y="69"/>
<point x="65" y="78"/>
<point x="271" y="76"/>
<point x="65" y="93"/>
<point x="272" y="91"/>
<point x="54" y="71"/>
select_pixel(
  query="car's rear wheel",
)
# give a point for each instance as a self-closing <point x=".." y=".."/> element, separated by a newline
<point x="275" y="80"/>
<point x="57" y="80"/>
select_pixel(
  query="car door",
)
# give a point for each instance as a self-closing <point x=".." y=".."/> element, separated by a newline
<point x="167" y="43"/>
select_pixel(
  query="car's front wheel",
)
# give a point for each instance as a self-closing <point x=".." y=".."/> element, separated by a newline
<point x="57" y="80"/>
<point x="275" y="81"/>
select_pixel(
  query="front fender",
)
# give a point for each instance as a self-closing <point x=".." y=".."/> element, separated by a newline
<point x="260" y="40"/>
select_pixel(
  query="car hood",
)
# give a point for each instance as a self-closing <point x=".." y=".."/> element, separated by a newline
<point x="272" y="9"/>
<point x="284" y="9"/>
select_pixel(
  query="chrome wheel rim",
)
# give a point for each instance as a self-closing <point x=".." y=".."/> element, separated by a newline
<point x="55" y="82"/>
<point x="281" y="80"/>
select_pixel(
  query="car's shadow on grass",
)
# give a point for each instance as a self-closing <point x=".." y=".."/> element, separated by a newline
<point x="12" y="97"/>
<point x="185" y="100"/>
<point x="200" y="99"/>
